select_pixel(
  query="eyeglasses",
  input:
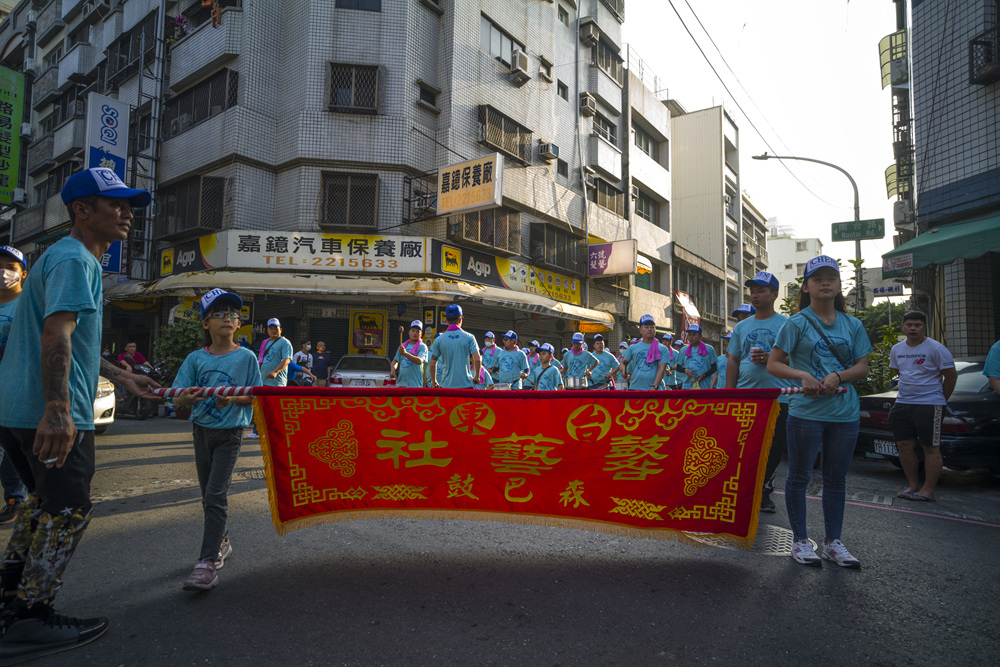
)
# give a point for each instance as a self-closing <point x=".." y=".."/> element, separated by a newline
<point x="222" y="316"/>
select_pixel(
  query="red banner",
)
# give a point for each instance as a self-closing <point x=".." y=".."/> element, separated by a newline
<point x="680" y="465"/>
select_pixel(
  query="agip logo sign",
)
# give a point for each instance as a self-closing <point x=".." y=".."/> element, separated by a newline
<point x="451" y="260"/>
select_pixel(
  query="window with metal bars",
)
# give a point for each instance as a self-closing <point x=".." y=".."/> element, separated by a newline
<point x="557" y="248"/>
<point x="193" y="205"/>
<point x="70" y="104"/>
<point x="500" y="132"/>
<point x="349" y="200"/>
<point x="498" y="228"/>
<point x="608" y="196"/>
<point x="354" y="88"/>
<point x="606" y="129"/>
<point x="207" y="99"/>
<point x="364" y="5"/>
<point x="125" y="54"/>
<point x="606" y="57"/>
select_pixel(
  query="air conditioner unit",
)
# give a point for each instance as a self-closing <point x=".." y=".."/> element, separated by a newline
<point x="902" y="213"/>
<point x="29" y="65"/>
<point x="548" y="151"/>
<point x="898" y="73"/>
<point x="590" y="181"/>
<point x="519" y="74"/>
<point x="424" y="203"/>
<point x="20" y="196"/>
<point x="26" y="129"/>
<point x="589" y="34"/>
<point x="635" y="192"/>
<point x="588" y="105"/>
<point x="86" y="9"/>
<point x="32" y="17"/>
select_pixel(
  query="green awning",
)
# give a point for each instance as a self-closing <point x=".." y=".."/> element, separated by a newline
<point x="943" y="245"/>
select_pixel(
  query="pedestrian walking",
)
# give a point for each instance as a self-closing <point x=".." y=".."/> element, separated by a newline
<point x="698" y="360"/>
<point x="824" y="348"/>
<point x="927" y="377"/>
<point x="14" y="272"/>
<point x="407" y="366"/>
<point x="274" y="356"/>
<point x="545" y="376"/>
<point x="607" y="364"/>
<point x="490" y="354"/>
<point x="50" y="368"/>
<point x="454" y="347"/>
<point x="512" y="365"/>
<point x="322" y="361"/>
<point x="217" y="424"/>
<point x="991" y="369"/>
<point x="644" y="364"/>
<point x="579" y="363"/>
<point x="747" y="356"/>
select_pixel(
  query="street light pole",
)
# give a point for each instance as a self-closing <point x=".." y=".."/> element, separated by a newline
<point x="859" y="287"/>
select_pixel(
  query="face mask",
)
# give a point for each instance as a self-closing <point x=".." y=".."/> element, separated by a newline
<point x="11" y="278"/>
<point x="489" y="343"/>
<point x="308" y="347"/>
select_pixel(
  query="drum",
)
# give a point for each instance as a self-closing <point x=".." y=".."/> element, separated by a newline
<point x="501" y="386"/>
<point x="575" y="383"/>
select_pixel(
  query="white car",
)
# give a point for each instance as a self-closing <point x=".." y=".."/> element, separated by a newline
<point x="104" y="405"/>
<point x="361" y="370"/>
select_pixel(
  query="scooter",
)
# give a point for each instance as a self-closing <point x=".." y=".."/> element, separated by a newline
<point x="134" y="406"/>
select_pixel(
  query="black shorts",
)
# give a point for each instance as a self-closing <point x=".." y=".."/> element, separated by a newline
<point x="917" y="422"/>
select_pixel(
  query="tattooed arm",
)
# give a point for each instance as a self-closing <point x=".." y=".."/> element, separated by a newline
<point x="136" y="384"/>
<point x="56" y="432"/>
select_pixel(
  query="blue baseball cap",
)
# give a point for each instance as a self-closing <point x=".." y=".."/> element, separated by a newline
<point x="510" y="334"/>
<point x="744" y="308"/>
<point x="727" y="335"/>
<point x="598" y="337"/>
<point x="215" y="295"/>
<point x="678" y="343"/>
<point x="453" y="310"/>
<point x="533" y="343"/>
<point x="623" y="345"/>
<point x="578" y="337"/>
<point x="274" y="322"/>
<point x="667" y="336"/>
<point x="820" y="262"/>
<point x="547" y="347"/>
<point x="14" y="253"/>
<point x="418" y="324"/>
<point x="102" y="181"/>
<point x="695" y="327"/>
<point x="764" y="279"/>
<point x="565" y="349"/>
<point x="646" y="319"/>
<point x="489" y="334"/>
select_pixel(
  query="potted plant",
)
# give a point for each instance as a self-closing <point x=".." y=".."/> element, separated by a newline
<point x="176" y="341"/>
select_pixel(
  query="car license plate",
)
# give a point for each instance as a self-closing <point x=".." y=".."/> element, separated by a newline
<point x="886" y="447"/>
<point x="362" y="383"/>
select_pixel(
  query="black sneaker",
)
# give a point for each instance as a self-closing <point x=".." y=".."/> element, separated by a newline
<point x="8" y="513"/>
<point x="767" y="505"/>
<point x="28" y="638"/>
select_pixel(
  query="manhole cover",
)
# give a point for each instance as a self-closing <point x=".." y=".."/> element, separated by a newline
<point x="771" y="541"/>
<point x="252" y="473"/>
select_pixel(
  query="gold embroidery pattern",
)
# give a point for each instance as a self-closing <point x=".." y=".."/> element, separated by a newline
<point x="703" y="460"/>
<point x="293" y="408"/>
<point x="723" y="510"/>
<point x="303" y="494"/>
<point x="637" y="508"/>
<point x="666" y="412"/>
<point x="399" y="492"/>
<point x="386" y="409"/>
<point x="338" y="448"/>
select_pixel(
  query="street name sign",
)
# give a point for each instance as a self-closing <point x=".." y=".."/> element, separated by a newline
<point x="858" y="230"/>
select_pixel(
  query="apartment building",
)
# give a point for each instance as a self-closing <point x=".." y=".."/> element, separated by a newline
<point x="293" y="149"/>
<point x="754" y="243"/>
<point x="789" y="254"/>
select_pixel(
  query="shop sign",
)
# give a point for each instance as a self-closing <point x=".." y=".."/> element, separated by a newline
<point x="482" y="269"/>
<point x="11" y="115"/>
<point x="469" y="186"/>
<point x="611" y="259"/>
<point x="368" y="331"/>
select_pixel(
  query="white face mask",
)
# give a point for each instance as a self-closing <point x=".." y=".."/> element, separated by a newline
<point x="11" y="278"/>
<point x="489" y="342"/>
<point x="308" y="347"/>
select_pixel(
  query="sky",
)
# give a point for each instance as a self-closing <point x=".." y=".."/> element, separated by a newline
<point x="806" y="74"/>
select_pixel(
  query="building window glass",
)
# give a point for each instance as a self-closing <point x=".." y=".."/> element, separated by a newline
<point x="428" y="95"/>
<point x="500" y="132"/>
<point x="563" y="90"/>
<point x="606" y="129"/>
<point x="557" y="248"/>
<point x="647" y="208"/>
<point x="52" y="57"/>
<point x="644" y="274"/>
<point x="496" y="42"/>
<point x="800" y="246"/>
<point x="365" y="5"/>
<point x="562" y="168"/>
<point x="349" y="200"/>
<point x="606" y="57"/>
<point x="646" y="143"/>
<point x="354" y="89"/>
<point x="608" y="196"/>
<point x="194" y="204"/>
<point x="207" y="99"/>
<point x="563" y="16"/>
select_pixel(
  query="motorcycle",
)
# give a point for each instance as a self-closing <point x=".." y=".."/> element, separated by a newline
<point x="134" y="406"/>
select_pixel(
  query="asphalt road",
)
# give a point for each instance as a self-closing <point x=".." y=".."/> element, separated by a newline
<point x="407" y="592"/>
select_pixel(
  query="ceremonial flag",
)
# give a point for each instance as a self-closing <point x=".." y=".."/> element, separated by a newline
<point x="679" y="465"/>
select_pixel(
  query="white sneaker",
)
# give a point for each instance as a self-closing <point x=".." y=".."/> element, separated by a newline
<point x="804" y="553"/>
<point x="838" y="553"/>
<point x="250" y="434"/>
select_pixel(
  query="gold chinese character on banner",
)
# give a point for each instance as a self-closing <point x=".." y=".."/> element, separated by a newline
<point x="458" y="487"/>
<point x="573" y="494"/>
<point x="399" y="449"/>
<point x="628" y="457"/>
<point x="523" y="454"/>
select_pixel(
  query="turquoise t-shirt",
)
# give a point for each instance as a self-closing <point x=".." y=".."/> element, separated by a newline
<point x="720" y="380"/>
<point x="512" y="363"/>
<point x="238" y="368"/>
<point x="546" y="379"/>
<point x="606" y="362"/>
<point x="66" y="278"/>
<point x="277" y="352"/>
<point x="698" y="364"/>
<point x="808" y="352"/>
<point x="487" y="381"/>
<point x="750" y="333"/>
<point x="992" y="366"/>
<point x="410" y="374"/>
<point x="491" y="357"/>
<point x="643" y="374"/>
<point x="7" y="311"/>
<point x="577" y="364"/>
<point x="454" y="348"/>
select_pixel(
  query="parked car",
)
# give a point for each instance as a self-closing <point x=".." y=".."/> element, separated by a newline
<point x="361" y="370"/>
<point x="104" y="405"/>
<point x="970" y="430"/>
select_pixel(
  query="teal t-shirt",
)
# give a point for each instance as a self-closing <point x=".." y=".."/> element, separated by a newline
<point x="808" y="352"/>
<point x="238" y="368"/>
<point x="7" y="311"/>
<point x="410" y="374"/>
<point x="643" y="374"/>
<point x="491" y="356"/>
<point x="512" y="363"/>
<point x="277" y="352"/>
<point x="66" y="278"/>
<point x="454" y="348"/>
<point x="992" y="366"/>
<point x="577" y="364"/>
<point x="606" y="362"/>
<point x="698" y="364"/>
<point x="720" y="381"/>
<point x="751" y="333"/>
<point x="546" y="379"/>
<point x="487" y="380"/>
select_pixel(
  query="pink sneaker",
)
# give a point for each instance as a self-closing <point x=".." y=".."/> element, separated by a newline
<point x="203" y="578"/>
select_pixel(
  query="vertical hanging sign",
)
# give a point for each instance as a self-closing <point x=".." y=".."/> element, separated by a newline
<point x="11" y="114"/>
<point x="107" y="146"/>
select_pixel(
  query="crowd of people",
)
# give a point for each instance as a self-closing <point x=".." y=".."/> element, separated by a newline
<point x="50" y="333"/>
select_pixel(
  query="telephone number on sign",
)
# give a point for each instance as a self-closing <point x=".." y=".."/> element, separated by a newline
<point x="350" y="262"/>
<point x="478" y="196"/>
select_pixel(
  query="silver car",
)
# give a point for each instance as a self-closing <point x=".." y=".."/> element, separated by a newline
<point x="361" y="370"/>
<point x="104" y="405"/>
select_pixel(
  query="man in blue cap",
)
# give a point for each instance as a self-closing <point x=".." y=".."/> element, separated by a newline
<point x="747" y="353"/>
<point x="274" y="356"/>
<point x="14" y="272"/>
<point x="410" y="358"/>
<point x="644" y="364"/>
<point x="544" y="376"/>
<point x="743" y="311"/>
<point x="454" y="347"/>
<point x="50" y="370"/>
<point x="719" y="379"/>
<point x="578" y="362"/>
<point x="698" y="360"/>
<point x="490" y="354"/>
<point x="512" y="363"/>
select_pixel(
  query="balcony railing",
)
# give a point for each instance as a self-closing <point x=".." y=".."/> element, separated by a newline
<point x="44" y="90"/>
<point x="984" y="57"/>
<point x="76" y="65"/>
<point x="206" y="48"/>
<point x="50" y="22"/>
<point x="29" y="222"/>
<point x="40" y="155"/>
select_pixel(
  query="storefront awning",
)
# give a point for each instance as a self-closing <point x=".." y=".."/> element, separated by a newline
<point x="943" y="245"/>
<point x="437" y="289"/>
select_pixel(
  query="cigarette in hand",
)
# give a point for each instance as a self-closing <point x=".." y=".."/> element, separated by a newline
<point x="50" y="460"/>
